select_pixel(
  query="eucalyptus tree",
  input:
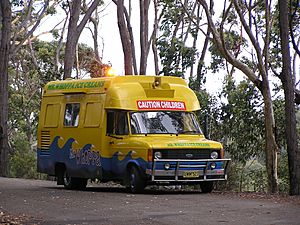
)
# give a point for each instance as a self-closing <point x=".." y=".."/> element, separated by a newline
<point x="256" y="23"/>
<point x="288" y="82"/>
<point x="5" y="17"/>
<point x="18" y="27"/>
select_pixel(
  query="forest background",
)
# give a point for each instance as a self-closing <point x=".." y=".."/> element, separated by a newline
<point x="252" y="46"/>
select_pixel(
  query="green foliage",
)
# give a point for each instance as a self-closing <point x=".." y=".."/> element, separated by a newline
<point x="175" y="55"/>
<point x="253" y="177"/>
<point x="278" y="105"/>
<point x="283" y="172"/>
<point x="250" y="176"/>
<point x="242" y="120"/>
<point x="28" y="74"/>
<point x="237" y="121"/>
<point x="27" y="80"/>
<point x="208" y="115"/>
<point x="234" y="42"/>
<point x="45" y="55"/>
<point x="23" y="159"/>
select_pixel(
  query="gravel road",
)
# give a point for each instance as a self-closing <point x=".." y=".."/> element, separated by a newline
<point x="42" y="202"/>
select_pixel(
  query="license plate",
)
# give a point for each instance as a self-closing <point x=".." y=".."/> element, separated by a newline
<point x="190" y="174"/>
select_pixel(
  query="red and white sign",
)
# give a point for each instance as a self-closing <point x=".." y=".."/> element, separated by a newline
<point x="160" y="105"/>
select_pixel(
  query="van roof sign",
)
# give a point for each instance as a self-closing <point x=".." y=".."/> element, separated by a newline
<point x="75" y="85"/>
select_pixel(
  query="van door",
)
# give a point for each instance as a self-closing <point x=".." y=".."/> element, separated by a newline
<point x="117" y="129"/>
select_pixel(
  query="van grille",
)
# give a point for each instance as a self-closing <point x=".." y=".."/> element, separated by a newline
<point x="45" y="140"/>
<point x="186" y="153"/>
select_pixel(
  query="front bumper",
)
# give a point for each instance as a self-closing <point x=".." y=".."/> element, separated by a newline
<point x="185" y="171"/>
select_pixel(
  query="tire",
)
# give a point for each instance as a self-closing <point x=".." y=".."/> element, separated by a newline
<point x="136" y="184"/>
<point x="68" y="181"/>
<point x="207" y="186"/>
<point x="74" y="183"/>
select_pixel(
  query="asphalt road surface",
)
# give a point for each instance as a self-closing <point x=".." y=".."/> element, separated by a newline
<point x="42" y="202"/>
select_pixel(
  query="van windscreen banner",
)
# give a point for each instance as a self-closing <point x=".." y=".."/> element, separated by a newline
<point x="160" y="105"/>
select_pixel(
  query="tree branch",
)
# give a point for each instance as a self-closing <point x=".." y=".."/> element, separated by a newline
<point x="87" y="16"/>
<point x="38" y="21"/>
<point x="295" y="46"/>
<point x="227" y="55"/>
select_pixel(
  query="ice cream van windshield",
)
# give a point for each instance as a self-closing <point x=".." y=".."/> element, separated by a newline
<point x="164" y="122"/>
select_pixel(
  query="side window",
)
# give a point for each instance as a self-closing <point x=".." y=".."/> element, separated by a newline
<point x="93" y="114"/>
<point x="117" y="123"/>
<point x="71" y="118"/>
<point x="52" y="115"/>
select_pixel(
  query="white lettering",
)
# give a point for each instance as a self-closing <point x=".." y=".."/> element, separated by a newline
<point x="158" y="104"/>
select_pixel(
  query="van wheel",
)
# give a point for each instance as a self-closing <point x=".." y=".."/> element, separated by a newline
<point x="74" y="183"/>
<point x="207" y="186"/>
<point x="136" y="182"/>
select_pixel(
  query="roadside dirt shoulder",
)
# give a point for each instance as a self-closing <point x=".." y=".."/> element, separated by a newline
<point x="275" y="198"/>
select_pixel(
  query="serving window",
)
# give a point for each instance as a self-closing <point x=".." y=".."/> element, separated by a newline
<point x="71" y="118"/>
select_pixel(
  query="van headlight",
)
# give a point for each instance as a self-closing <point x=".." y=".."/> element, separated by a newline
<point x="214" y="155"/>
<point x="157" y="155"/>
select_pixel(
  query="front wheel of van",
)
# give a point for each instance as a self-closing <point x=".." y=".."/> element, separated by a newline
<point x="207" y="186"/>
<point x="136" y="182"/>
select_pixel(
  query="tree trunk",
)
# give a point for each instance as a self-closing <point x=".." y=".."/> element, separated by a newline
<point x="144" y="7"/>
<point x="271" y="147"/>
<point x="290" y="116"/>
<point x="72" y="38"/>
<point x="5" y="10"/>
<point x="95" y="21"/>
<point x="74" y="32"/>
<point x="154" y="38"/>
<point x="200" y="73"/>
<point x="129" y="28"/>
<point x="125" y="38"/>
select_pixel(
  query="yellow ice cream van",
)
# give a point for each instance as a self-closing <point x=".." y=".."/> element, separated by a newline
<point x="137" y="130"/>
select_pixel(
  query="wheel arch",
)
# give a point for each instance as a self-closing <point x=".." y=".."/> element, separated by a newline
<point x="131" y="164"/>
<point x="136" y="164"/>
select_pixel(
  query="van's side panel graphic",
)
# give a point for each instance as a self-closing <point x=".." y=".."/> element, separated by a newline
<point x="85" y="161"/>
